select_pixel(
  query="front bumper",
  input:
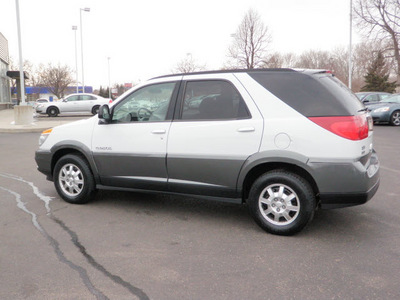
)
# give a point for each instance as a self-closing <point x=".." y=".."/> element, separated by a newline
<point x="43" y="160"/>
<point x="382" y="117"/>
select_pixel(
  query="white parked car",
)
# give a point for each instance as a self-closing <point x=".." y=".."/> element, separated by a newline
<point x="40" y="101"/>
<point x="286" y="142"/>
<point x="89" y="103"/>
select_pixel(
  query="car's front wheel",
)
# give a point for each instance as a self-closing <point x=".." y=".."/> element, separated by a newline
<point x="281" y="202"/>
<point x="52" y="111"/>
<point x="395" y="118"/>
<point x="73" y="179"/>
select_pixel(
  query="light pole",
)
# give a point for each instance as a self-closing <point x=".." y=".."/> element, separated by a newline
<point x="109" y="85"/>
<point x="87" y="9"/>
<point x="350" y="46"/>
<point x="75" y="28"/>
<point x="21" y="63"/>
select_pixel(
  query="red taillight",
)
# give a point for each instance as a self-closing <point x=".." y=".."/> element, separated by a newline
<point x="352" y="127"/>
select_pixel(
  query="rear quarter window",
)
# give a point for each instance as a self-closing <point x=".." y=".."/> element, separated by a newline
<point x="316" y="95"/>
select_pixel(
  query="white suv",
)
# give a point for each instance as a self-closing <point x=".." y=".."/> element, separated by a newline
<point x="87" y="103"/>
<point x="283" y="141"/>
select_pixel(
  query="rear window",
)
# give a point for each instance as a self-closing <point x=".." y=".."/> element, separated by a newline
<point x="316" y="95"/>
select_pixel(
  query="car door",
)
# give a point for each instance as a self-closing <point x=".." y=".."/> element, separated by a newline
<point x="130" y="151"/>
<point x="69" y="104"/>
<point x="218" y="128"/>
<point x="86" y="102"/>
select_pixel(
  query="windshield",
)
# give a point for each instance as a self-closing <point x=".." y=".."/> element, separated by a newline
<point x="391" y="99"/>
<point x="360" y="95"/>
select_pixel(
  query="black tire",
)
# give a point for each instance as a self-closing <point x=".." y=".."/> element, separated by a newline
<point x="73" y="179"/>
<point x="281" y="202"/>
<point x="395" y="118"/>
<point x="95" y="110"/>
<point x="52" y="111"/>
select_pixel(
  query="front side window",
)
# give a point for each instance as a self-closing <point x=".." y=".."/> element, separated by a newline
<point x="149" y="103"/>
<point x="73" y="98"/>
<point x="213" y="100"/>
<point x="372" y="98"/>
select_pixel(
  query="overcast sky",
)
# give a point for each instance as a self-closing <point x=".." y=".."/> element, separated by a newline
<point x="148" y="38"/>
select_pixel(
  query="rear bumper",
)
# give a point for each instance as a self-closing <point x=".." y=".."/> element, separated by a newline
<point x="337" y="200"/>
<point x="343" y="184"/>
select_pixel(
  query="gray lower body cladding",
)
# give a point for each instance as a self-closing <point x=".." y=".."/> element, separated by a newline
<point x="343" y="184"/>
<point x="340" y="184"/>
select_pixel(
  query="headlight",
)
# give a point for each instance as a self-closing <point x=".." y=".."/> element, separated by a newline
<point x="382" y="109"/>
<point x="44" y="136"/>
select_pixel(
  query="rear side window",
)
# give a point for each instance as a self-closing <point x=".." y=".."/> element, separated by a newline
<point x="212" y="100"/>
<point x="311" y="95"/>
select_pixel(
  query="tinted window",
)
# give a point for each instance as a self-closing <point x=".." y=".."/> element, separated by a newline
<point x="311" y="95"/>
<point x="149" y="103"/>
<point x="212" y="100"/>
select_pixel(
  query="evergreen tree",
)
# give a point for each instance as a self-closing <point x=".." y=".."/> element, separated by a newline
<point x="377" y="78"/>
<point x="103" y="92"/>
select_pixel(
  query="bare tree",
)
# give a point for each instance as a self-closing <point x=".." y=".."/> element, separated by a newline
<point x="56" y="78"/>
<point x="277" y="60"/>
<point x="380" y="20"/>
<point x="187" y="65"/>
<point x="250" y="42"/>
<point x="314" y="60"/>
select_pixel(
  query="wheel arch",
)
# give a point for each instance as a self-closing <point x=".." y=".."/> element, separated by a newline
<point x="265" y="166"/>
<point x="391" y="117"/>
<point x="72" y="148"/>
<point x="96" y="106"/>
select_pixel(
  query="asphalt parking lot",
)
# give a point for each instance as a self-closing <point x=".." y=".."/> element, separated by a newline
<point x="140" y="246"/>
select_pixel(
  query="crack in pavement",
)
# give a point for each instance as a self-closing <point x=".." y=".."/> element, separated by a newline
<point x="75" y="240"/>
<point x="56" y="246"/>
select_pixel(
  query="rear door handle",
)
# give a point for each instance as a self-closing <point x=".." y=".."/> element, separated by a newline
<point x="158" y="131"/>
<point x="246" y="129"/>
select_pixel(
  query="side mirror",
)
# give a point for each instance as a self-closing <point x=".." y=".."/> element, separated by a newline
<point x="104" y="114"/>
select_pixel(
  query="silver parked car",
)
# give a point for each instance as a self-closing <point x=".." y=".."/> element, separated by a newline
<point x="89" y="103"/>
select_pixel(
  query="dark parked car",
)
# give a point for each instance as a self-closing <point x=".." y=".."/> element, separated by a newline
<point x="369" y="98"/>
<point x="387" y="110"/>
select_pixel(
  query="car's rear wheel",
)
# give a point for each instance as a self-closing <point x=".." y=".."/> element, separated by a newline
<point x="281" y="202"/>
<point x="95" y="110"/>
<point x="395" y="118"/>
<point x="52" y="111"/>
<point x="73" y="179"/>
